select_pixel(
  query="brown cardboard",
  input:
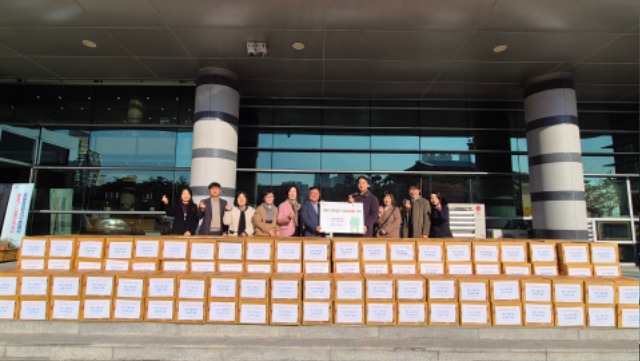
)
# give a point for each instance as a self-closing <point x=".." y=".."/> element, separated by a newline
<point x="317" y="287"/>
<point x="255" y="287"/>
<point x="159" y="309"/>
<point x="628" y="290"/>
<point x="402" y="251"/>
<point x="538" y="314"/>
<point x="459" y="268"/>
<point x="412" y="313"/>
<point x="224" y="286"/>
<point x="34" y="284"/>
<point x="192" y="286"/>
<point x="145" y="264"/>
<point x="174" y="265"/>
<point x="603" y="315"/>
<point x="222" y="311"/>
<point x="190" y="310"/>
<point x="404" y="267"/>
<point x="348" y="312"/>
<point x="600" y="291"/>
<point x="202" y="249"/>
<point x="61" y="264"/>
<point x="475" y="313"/>
<point x="604" y="253"/>
<point x="505" y="288"/>
<point x="536" y="289"/>
<point x="174" y="249"/>
<point x="288" y="250"/>
<point x="31" y="264"/>
<point x="9" y="284"/>
<point x="518" y="268"/>
<point x="348" y="287"/>
<point x="9" y="308"/>
<point x="513" y="251"/>
<point x="347" y="267"/>
<point x="570" y="315"/>
<point x="380" y="313"/>
<point x="288" y="267"/>
<point x="65" y="284"/>
<point x="131" y="285"/>
<point x="98" y="284"/>
<point x="90" y="247"/>
<point x="253" y="312"/>
<point x="61" y="247"/>
<point x="316" y="250"/>
<point x="506" y="313"/>
<point x="229" y="266"/>
<point x="88" y="264"/>
<point x="628" y="316"/>
<point x="379" y="288"/>
<point x="486" y="251"/>
<point x="345" y="249"/>
<point x="568" y="289"/>
<point x="545" y="269"/>
<point x="33" y="247"/>
<point x="441" y="288"/>
<point x="458" y="251"/>
<point x="96" y="309"/>
<point x="411" y="288"/>
<point x="65" y="309"/>
<point x="33" y="309"/>
<point x="543" y="252"/>
<point x="493" y="268"/>
<point x="259" y="267"/>
<point x="431" y="268"/>
<point x="146" y="248"/>
<point x="286" y="286"/>
<point x="607" y="270"/>
<point x="259" y="250"/>
<point x="316" y="267"/>
<point x="473" y="289"/>
<point x="374" y="251"/>
<point x="376" y="267"/>
<point x="573" y="252"/>
<point x="163" y="285"/>
<point x="444" y="313"/>
<point x="117" y="265"/>
<point x="317" y="312"/>
<point x="283" y="312"/>
<point x="119" y="248"/>
<point x="430" y="251"/>
<point x="230" y="250"/>
<point x="576" y="269"/>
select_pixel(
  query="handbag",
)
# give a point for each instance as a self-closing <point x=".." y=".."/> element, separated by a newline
<point x="379" y="228"/>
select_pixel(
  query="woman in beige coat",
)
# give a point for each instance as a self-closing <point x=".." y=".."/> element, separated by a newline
<point x="389" y="218"/>
<point x="265" y="220"/>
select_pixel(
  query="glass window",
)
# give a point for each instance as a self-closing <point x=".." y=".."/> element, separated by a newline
<point x="597" y="144"/>
<point x="17" y="144"/>
<point x="392" y="141"/>
<point x="394" y="118"/>
<point x="606" y="197"/>
<point x="254" y="159"/>
<point x="355" y="140"/>
<point x="345" y="161"/>
<point x="518" y="144"/>
<point x="434" y="140"/>
<point x="297" y="117"/>
<point x="393" y="162"/>
<point x="445" y="161"/>
<point x="444" y="119"/>
<point x="137" y="105"/>
<point x="150" y="148"/>
<point x="184" y="149"/>
<point x="520" y="164"/>
<point x="290" y="160"/>
<point x="296" y="140"/>
<point x="342" y="117"/>
<point x="98" y="224"/>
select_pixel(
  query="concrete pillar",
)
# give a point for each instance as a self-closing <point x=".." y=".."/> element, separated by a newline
<point x="555" y="164"/>
<point x="215" y="133"/>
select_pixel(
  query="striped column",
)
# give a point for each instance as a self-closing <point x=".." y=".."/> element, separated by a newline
<point x="215" y="133"/>
<point x="555" y="164"/>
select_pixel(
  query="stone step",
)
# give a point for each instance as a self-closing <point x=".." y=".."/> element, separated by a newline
<point x="22" y="340"/>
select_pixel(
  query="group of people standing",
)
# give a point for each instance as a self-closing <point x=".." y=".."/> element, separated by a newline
<point x="415" y="218"/>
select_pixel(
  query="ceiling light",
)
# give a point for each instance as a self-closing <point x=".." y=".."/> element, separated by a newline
<point x="89" y="43"/>
<point x="297" y="45"/>
<point x="500" y="48"/>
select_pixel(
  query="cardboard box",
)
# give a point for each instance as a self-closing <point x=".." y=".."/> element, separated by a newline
<point x="88" y="264"/>
<point x="61" y="247"/>
<point x="441" y="288"/>
<point x="411" y="288"/>
<point x="317" y="287"/>
<point x="538" y="314"/>
<point x="628" y="290"/>
<point x="177" y="266"/>
<point x="230" y="267"/>
<point x="31" y="264"/>
<point x="259" y="267"/>
<point x="65" y="309"/>
<point x="285" y="312"/>
<point x="404" y="268"/>
<point x="347" y="267"/>
<point x="316" y="250"/>
<point x="146" y="248"/>
<point x="511" y="252"/>
<point x="374" y="251"/>
<point x="286" y="287"/>
<point x="600" y="291"/>
<point x="288" y="267"/>
<point x="443" y="313"/>
<point x="475" y="313"/>
<point x="159" y="309"/>
<point x="96" y="309"/>
<point x="628" y="316"/>
<point x="457" y="251"/>
<point x="260" y="250"/>
<point x="473" y="289"/>
<point x="431" y="268"/>
<point x="505" y="289"/>
<point x="379" y="287"/>
<point x="175" y="249"/>
<point x="545" y="269"/>
<point x="604" y="253"/>
<point x="607" y="270"/>
<point x="402" y="251"/>
<point x="8" y="255"/>
<point x="255" y="287"/>
<point x="145" y="264"/>
<point x="162" y="285"/>
<point x="543" y="252"/>
<point x="487" y="268"/>
<point x="33" y="284"/>
<point x="459" y="268"/>
<point x="288" y="250"/>
<point x="536" y="289"/>
<point x="222" y="311"/>
<point x="317" y="312"/>
<point x="573" y="252"/>
<point x="602" y="315"/>
<point x="576" y="270"/>
<point x="117" y="264"/>
<point x="346" y="250"/>
<point x="66" y="285"/>
<point x="130" y="285"/>
<point x="376" y="267"/>
<point x="348" y="312"/>
<point x="506" y="313"/>
<point x="9" y="283"/>
<point x="412" y="313"/>
<point x="567" y="290"/>
<point x="570" y="315"/>
<point x="98" y="284"/>
<point x="60" y="264"/>
<point x="8" y="308"/>
<point x="486" y="251"/>
<point x="90" y="247"/>
<point x="224" y="286"/>
<point x="192" y="287"/>
<point x="348" y="287"/>
<point x="119" y="248"/>
<point x="380" y="313"/>
<point x="230" y="250"/>
<point x="33" y="309"/>
<point x="202" y="249"/>
<point x="253" y="312"/>
<point x="520" y="268"/>
<point x="33" y="247"/>
<point x="430" y="251"/>
<point x="322" y="267"/>
<point x="190" y="311"/>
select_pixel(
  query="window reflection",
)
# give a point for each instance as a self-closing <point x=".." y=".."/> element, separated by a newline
<point x="393" y="162"/>
<point x="184" y="149"/>
<point x="346" y="161"/>
<point x="606" y="197"/>
<point x="404" y="142"/>
<point x="291" y="160"/>
<point x="353" y="140"/>
<point x="150" y="148"/>
<point x="296" y="140"/>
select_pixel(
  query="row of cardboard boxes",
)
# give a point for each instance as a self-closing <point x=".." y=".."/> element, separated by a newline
<point x="325" y="267"/>
<point x="302" y="312"/>
<point x="349" y="249"/>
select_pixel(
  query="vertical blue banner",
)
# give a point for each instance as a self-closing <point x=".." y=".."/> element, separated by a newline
<point x="15" y="218"/>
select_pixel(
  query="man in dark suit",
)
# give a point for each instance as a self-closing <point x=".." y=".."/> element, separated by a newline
<point x="212" y="209"/>
<point x="310" y="214"/>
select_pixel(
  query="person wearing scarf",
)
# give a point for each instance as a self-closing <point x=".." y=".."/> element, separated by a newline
<point x="288" y="213"/>
<point x="265" y="219"/>
<point x="239" y="218"/>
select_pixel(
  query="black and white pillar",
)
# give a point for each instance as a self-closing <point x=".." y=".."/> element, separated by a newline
<point x="215" y="133"/>
<point x="555" y="164"/>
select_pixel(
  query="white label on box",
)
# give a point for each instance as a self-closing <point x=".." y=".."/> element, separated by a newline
<point x="537" y="292"/>
<point x="628" y="295"/>
<point x="190" y="311"/>
<point x="127" y="309"/>
<point x="59" y="264"/>
<point x="403" y="269"/>
<point x="284" y="313"/>
<point x="380" y="312"/>
<point x="259" y="268"/>
<point x="204" y="266"/>
<point x="253" y="289"/>
<point x="376" y="268"/>
<point x="66" y="309"/>
<point x="159" y="310"/>
<point x="191" y="289"/>
<point x="349" y="313"/>
<point x="607" y="271"/>
<point x="289" y="251"/>
<point x="347" y="267"/>
<point x="222" y="311"/>
<point x="316" y="312"/>
<point x="89" y="265"/>
<point x="161" y="287"/>
<point x="568" y="293"/>
<point x="576" y="254"/>
<point x="289" y="267"/>
<point x="431" y="268"/>
<point x="65" y="286"/>
<point x="580" y="271"/>
<point x="34" y="286"/>
<point x="7" y="309"/>
<point x="602" y="317"/>
<point x="116" y="265"/>
<point x="474" y="314"/>
<point x="258" y="251"/>
<point x="600" y="254"/>
<point x="121" y="250"/>
<point x="97" y="309"/>
<point x="284" y="289"/>
<point x="317" y="290"/>
<point x="545" y="270"/>
<point x="630" y="318"/>
<point x="61" y="248"/>
<point x="507" y="315"/>
<point x="98" y="286"/>
<point x="517" y="270"/>
<point x="174" y="250"/>
<point x="443" y="312"/>
<point x="410" y="290"/>
<point x="570" y="316"/>
<point x="458" y="252"/>
<point x="374" y="251"/>
<point x="473" y="291"/>
<point x="90" y="249"/>
<point x="130" y="288"/>
<point x="487" y="269"/>
<point x="33" y="264"/>
<point x="402" y="252"/>
<point x="345" y="251"/>
<point x="445" y="289"/>
<point x="506" y="290"/>
<point x="460" y="269"/>
<point x="174" y="266"/>
<point x="486" y="253"/>
<point x="411" y="313"/>
<point x="429" y="252"/>
<point x="598" y="294"/>
<point x="33" y="310"/>
<point x="8" y="286"/>
<point x="513" y="253"/>
<point x="348" y="290"/>
<point x="316" y="252"/>
<point x="316" y="267"/>
<point x="382" y="289"/>
<point x="203" y="251"/>
<point x="250" y="313"/>
<point x="147" y="249"/>
<point x="542" y="253"/>
<point x="223" y="287"/>
<point x="230" y="267"/>
<point x="33" y="248"/>
<point x="231" y="251"/>
<point x="539" y="314"/>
